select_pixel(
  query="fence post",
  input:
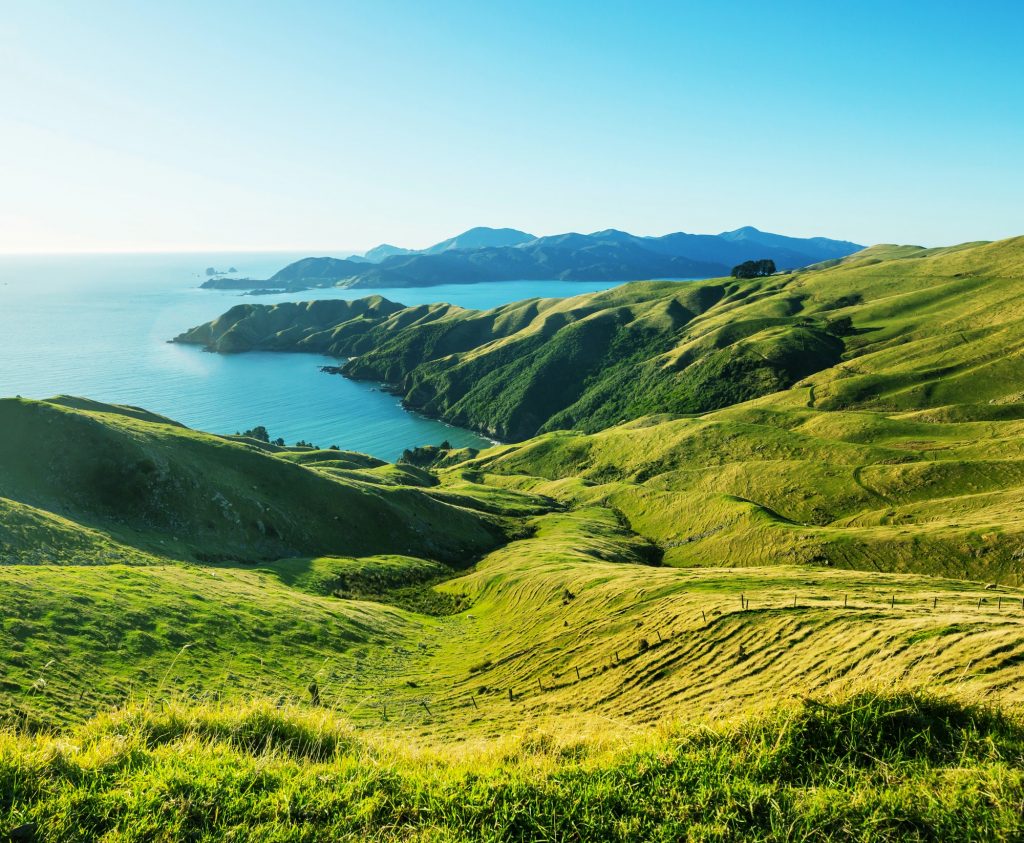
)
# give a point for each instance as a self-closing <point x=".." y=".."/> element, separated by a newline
<point x="845" y="598"/>
<point x="510" y="695"/>
<point x="577" y="674"/>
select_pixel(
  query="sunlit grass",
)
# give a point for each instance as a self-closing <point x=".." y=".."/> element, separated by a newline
<point x="896" y="766"/>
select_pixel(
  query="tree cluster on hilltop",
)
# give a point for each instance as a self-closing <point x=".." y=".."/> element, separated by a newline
<point x="754" y="269"/>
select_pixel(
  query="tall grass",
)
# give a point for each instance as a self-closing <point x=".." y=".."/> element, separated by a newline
<point x="904" y="766"/>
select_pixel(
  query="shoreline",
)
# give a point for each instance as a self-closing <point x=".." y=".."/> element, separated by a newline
<point x="393" y="389"/>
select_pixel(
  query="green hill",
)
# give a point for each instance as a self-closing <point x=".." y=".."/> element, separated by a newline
<point x="865" y="413"/>
<point x="134" y="486"/>
<point x="887" y="328"/>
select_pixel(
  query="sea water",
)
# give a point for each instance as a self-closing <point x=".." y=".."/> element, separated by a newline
<point x="97" y="326"/>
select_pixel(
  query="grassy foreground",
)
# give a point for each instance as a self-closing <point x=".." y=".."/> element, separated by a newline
<point x="905" y="767"/>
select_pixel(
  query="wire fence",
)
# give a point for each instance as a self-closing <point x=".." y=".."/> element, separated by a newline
<point x="364" y="703"/>
<point x="980" y="607"/>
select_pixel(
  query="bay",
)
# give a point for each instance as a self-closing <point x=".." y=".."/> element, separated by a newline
<point x="97" y="326"/>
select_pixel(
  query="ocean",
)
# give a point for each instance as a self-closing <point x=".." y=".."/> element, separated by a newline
<point x="97" y="326"/>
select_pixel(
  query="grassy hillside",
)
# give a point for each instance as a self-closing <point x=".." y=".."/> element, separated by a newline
<point x="327" y="327"/>
<point x="886" y="328"/>
<point x="871" y="408"/>
<point x="574" y="619"/>
<point x="114" y="484"/>
<point x="708" y="704"/>
<point x="777" y="481"/>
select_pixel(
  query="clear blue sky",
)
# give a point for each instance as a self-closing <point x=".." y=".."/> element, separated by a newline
<point x="336" y="125"/>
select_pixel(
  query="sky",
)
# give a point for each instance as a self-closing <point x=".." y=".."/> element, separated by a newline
<point x="333" y="126"/>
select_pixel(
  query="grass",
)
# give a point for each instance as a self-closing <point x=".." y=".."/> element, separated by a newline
<point x="105" y="475"/>
<point x="577" y="593"/>
<point x="777" y="481"/>
<point x="900" y="766"/>
<point x="773" y="620"/>
<point x="80" y="640"/>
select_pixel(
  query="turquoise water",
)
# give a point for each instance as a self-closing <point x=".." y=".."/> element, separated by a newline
<point x="98" y="325"/>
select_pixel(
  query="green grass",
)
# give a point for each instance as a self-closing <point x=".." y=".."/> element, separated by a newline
<point x="905" y="767"/>
<point x="159" y="489"/>
<point x="78" y="641"/>
<point x="577" y="592"/>
<point x="776" y="481"/>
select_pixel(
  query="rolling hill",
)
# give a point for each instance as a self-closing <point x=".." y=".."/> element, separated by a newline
<point x="104" y="483"/>
<point x="865" y="413"/>
<point x="887" y="328"/>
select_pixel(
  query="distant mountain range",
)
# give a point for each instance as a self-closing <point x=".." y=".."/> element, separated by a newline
<point x="476" y="238"/>
<point x="505" y="254"/>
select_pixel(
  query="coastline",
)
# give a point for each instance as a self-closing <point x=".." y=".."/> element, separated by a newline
<point x="394" y="389"/>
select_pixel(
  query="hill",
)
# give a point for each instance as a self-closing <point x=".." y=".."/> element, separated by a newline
<point x="888" y="328"/>
<point x="480" y="237"/>
<point x="486" y="254"/>
<point x="106" y="483"/>
<point x="863" y="414"/>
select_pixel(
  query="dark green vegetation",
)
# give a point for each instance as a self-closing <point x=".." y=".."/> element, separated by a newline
<point x="709" y="611"/>
<point x="897" y="767"/>
<point x="484" y="254"/>
<point x="754" y="269"/>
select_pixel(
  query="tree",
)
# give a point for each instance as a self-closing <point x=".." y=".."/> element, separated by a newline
<point x="754" y="269"/>
<point x="258" y="432"/>
<point x="841" y="326"/>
